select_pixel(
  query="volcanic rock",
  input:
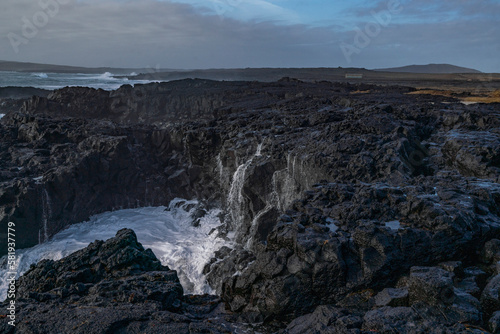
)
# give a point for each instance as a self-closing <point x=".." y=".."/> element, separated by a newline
<point x="332" y="195"/>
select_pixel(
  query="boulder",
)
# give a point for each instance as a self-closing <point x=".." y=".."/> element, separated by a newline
<point x="119" y="269"/>
<point x="431" y="285"/>
<point x="392" y="297"/>
<point x="490" y="297"/>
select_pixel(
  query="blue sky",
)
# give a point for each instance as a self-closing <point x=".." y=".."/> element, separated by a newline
<point x="315" y="13"/>
<point x="252" y="33"/>
<point x="345" y="13"/>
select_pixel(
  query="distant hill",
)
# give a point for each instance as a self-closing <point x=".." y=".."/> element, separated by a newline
<point x="430" y="68"/>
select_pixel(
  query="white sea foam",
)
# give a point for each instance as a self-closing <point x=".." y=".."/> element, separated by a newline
<point x="41" y="75"/>
<point x="393" y="225"/>
<point x="169" y="234"/>
<point x="2" y="115"/>
<point x="331" y="225"/>
<point x="106" y="76"/>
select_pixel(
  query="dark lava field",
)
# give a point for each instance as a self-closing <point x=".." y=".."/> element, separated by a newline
<point x="354" y="208"/>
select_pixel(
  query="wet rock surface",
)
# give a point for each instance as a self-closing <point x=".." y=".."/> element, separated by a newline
<point x="356" y="208"/>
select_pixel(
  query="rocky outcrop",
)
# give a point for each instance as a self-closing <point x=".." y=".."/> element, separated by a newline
<point x="156" y="103"/>
<point x="15" y="93"/>
<point x="101" y="272"/>
<point x="113" y="286"/>
<point x="427" y="299"/>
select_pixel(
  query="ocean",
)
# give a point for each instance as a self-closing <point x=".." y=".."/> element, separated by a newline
<point x="52" y="81"/>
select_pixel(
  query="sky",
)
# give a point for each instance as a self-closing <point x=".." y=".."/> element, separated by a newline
<point x="189" y="34"/>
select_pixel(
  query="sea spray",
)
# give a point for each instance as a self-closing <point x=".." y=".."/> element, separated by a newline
<point x="271" y="202"/>
<point x="285" y="188"/>
<point x="220" y="167"/>
<point x="169" y="232"/>
<point x="43" y="232"/>
<point x="235" y="198"/>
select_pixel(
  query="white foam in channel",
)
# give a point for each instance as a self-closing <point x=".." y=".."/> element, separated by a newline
<point x="393" y="225"/>
<point x="169" y="234"/>
<point x="331" y="225"/>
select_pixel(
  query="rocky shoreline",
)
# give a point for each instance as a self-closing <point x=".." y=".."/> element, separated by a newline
<point x="357" y="208"/>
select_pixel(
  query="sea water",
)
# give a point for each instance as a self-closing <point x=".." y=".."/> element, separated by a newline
<point x="169" y="233"/>
<point x="51" y="81"/>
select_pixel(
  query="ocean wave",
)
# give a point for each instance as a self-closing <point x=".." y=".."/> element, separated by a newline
<point x="107" y="76"/>
<point x="40" y="75"/>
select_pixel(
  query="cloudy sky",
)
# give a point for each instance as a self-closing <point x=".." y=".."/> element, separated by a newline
<point x="252" y="33"/>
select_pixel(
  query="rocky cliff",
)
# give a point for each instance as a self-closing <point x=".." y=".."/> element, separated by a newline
<point x="335" y="192"/>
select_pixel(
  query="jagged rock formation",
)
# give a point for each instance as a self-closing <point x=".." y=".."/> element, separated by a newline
<point x="343" y="198"/>
<point x="114" y="286"/>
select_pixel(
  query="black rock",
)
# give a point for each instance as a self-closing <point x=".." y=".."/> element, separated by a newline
<point x="491" y="251"/>
<point x="431" y="285"/>
<point x="494" y="322"/>
<point x="325" y="319"/>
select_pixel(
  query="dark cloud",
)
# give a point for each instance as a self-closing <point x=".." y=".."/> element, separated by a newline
<point x="150" y="33"/>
